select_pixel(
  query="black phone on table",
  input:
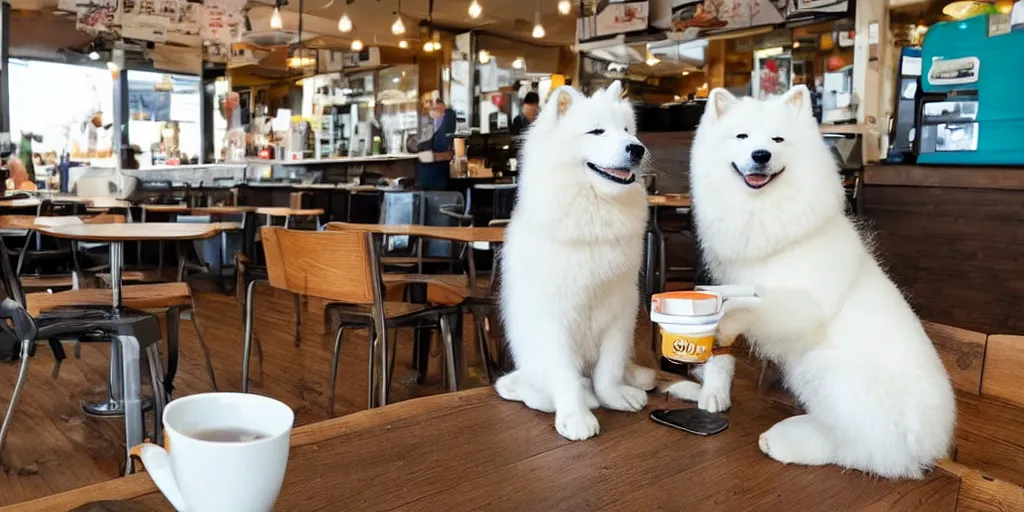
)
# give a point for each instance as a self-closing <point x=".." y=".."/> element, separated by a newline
<point x="693" y="420"/>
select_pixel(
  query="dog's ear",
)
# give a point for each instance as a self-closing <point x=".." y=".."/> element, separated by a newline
<point x="561" y="99"/>
<point x="614" y="91"/>
<point x="799" y="98"/>
<point x="720" y="101"/>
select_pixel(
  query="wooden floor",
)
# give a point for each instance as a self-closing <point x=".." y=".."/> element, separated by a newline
<point x="53" y="446"/>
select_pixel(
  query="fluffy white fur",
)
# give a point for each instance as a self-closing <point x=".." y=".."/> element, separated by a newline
<point x="876" y="395"/>
<point x="570" y="264"/>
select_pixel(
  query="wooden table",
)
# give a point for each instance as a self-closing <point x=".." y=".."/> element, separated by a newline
<point x="454" y="233"/>
<point x="473" y="451"/>
<point x="288" y="213"/>
<point x="116" y="235"/>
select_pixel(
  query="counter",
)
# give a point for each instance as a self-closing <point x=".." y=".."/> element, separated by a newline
<point x="952" y="238"/>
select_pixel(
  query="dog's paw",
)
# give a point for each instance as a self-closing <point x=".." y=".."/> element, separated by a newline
<point x="795" y="441"/>
<point x="576" y="425"/>
<point x="777" y="444"/>
<point x="684" y="390"/>
<point x="623" y="398"/>
<point x="714" y="399"/>
<point x="643" y="378"/>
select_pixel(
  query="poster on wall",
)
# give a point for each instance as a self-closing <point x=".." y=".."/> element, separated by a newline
<point x="615" y="19"/>
<point x="694" y="18"/>
<point x="98" y="16"/>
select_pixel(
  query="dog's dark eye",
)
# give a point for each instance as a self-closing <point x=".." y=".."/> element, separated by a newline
<point x="741" y="136"/>
<point x="778" y="139"/>
<point x="596" y="131"/>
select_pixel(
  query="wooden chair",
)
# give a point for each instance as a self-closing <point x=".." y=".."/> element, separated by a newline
<point x="342" y="267"/>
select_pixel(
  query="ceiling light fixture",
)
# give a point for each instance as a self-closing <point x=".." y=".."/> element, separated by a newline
<point x="403" y="44"/>
<point x="519" y="63"/>
<point x="484" y="57"/>
<point x="475" y="10"/>
<point x="538" y="29"/>
<point x="428" y="46"/>
<point x="357" y="45"/>
<point x="344" y="23"/>
<point x="564" y="7"/>
<point x="398" y="28"/>
<point x="686" y="73"/>
<point x="275" y="19"/>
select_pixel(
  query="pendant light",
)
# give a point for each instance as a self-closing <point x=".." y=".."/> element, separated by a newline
<point x="403" y="44"/>
<point x="484" y="57"/>
<point x="357" y="45"/>
<point x="538" y="29"/>
<point x="564" y="7"/>
<point x="344" y="23"/>
<point x="398" y="28"/>
<point x="275" y="19"/>
<point x="475" y="10"/>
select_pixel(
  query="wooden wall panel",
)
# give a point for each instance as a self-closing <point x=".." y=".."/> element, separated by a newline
<point x="956" y="253"/>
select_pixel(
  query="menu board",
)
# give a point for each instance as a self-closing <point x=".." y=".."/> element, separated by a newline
<point x="614" y="19"/>
<point x="694" y="18"/>
<point x="158" y="20"/>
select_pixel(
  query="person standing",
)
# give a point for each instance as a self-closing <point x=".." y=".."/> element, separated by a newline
<point x="531" y="107"/>
<point x="433" y="169"/>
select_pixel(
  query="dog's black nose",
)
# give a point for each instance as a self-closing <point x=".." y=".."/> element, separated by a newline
<point x="636" y="152"/>
<point x="761" y="156"/>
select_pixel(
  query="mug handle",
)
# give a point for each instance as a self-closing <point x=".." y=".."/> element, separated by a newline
<point x="158" y="465"/>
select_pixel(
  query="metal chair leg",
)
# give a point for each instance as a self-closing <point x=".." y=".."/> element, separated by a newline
<point x="297" y="301"/>
<point x="202" y="345"/>
<point x="482" y="346"/>
<point x="391" y="364"/>
<point x="26" y="348"/>
<point x="156" y="379"/>
<point x="132" y="396"/>
<point x="250" y="305"/>
<point x="334" y="371"/>
<point x="449" y="354"/>
<point x="371" y="373"/>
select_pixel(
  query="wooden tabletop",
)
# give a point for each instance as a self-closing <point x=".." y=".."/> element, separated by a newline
<point x="474" y="451"/>
<point x="199" y="210"/>
<point x="458" y="234"/>
<point x="19" y="203"/>
<point x="139" y="231"/>
<point x="276" y="211"/>
<point x="670" y="200"/>
<point x="166" y="208"/>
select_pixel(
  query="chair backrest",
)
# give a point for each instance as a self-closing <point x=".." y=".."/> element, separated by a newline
<point x="432" y="216"/>
<point x="400" y="208"/>
<point x="334" y="265"/>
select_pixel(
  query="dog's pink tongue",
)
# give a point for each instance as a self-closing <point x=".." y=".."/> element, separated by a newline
<point x="756" y="180"/>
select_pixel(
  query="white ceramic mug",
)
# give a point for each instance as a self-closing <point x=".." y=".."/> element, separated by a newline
<point x="198" y="475"/>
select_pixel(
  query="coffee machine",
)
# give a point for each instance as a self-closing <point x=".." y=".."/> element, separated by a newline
<point x="972" y="117"/>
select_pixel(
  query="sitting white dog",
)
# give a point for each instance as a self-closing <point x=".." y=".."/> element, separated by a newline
<point x="770" y="212"/>
<point x="571" y="261"/>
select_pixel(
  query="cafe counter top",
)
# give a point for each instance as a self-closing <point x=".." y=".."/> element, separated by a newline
<point x="992" y="178"/>
<point x="341" y="160"/>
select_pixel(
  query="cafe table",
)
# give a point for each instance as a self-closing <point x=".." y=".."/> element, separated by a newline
<point x="473" y="451"/>
<point x="116" y="235"/>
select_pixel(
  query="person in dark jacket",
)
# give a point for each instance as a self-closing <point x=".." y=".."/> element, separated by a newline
<point x="531" y="107"/>
<point x="434" y="175"/>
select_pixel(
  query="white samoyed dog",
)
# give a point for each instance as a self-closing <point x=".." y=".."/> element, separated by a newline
<point x="571" y="262"/>
<point x="770" y="212"/>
